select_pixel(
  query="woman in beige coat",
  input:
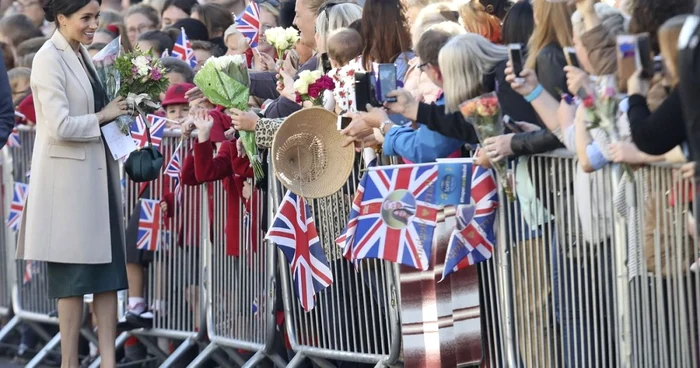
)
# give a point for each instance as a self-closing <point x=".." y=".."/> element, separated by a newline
<point x="73" y="218"/>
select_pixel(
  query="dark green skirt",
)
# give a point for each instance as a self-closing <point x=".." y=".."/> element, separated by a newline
<point x="69" y="279"/>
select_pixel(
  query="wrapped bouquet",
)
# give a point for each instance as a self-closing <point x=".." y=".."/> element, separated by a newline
<point x="601" y="111"/>
<point x="225" y="81"/>
<point x="282" y="39"/>
<point x="311" y="85"/>
<point x="141" y="81"/>
<point x="484" y="113"/>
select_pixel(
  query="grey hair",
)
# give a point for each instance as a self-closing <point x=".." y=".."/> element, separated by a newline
<point x="336" y="17"/>
<point x="611" y="19"/>
<point x="464" y="61"/>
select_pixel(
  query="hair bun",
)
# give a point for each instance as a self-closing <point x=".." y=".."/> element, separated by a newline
<point x="49" y="7"/>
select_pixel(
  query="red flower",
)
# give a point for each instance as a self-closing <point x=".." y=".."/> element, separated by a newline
<point x="351" y="73"/>
<point x="588" y="102"/>
<point x="314" y="90"/>
<point x="299" y="100"/>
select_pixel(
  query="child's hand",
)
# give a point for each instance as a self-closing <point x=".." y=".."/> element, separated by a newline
<point x="243" y="121"/>
<point x="204" y="122"/>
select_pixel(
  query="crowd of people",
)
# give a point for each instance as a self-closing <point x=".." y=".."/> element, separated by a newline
<point x="445" y="53"/>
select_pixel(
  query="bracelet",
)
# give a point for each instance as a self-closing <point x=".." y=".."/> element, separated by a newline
<point x="535" y="93"/>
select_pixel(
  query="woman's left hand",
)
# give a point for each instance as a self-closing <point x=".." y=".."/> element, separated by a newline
<point x="243" y="121"/>
<point x="625" y="152"/>
<point x="498" y="148"/>
<point x="576" y="79"/>
<point x="358" y="128"/>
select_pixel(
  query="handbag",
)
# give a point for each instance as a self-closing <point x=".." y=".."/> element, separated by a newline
<point x="145" y="163"/>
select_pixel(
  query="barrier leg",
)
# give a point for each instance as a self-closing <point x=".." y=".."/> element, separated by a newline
<point x="233" y="354"/>
<point x="182" y="349"/>
<point x="11" y="325"/>
<point x="42" y="354"/>
<point x="153" y="348"/>
<point x="297" y="361"/>
<point x="278" y="360"/>
<point x="121" y="339"/>
<point x="254" y="360"/>
<point x="204" y="355"/>
<point x="322" y="362"/>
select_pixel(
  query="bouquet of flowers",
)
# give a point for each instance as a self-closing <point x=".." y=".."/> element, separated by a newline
<point x="142" y="80"/>
<point x="311" y="85"/>
<point x="106" y="71"/>
<point x="601" y="111"/>
<point x="225" y="81"/>
<point x="484" y="113"/>
<point x="282" y="39"/>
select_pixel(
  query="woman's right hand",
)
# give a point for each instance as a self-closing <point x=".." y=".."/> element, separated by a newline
<point x="113" y="110"/>
<point x="525" y="83"/>
<point x="636" y="85"/>
<point x="405" y="104"/>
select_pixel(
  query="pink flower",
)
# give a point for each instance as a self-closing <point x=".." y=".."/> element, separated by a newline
<point x="299" y="99"/>
<point x="134" y="70"/>
<point x="155" y="74"/>
<point x="315" y="90"/>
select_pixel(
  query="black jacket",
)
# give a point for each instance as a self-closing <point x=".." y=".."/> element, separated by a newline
<point x="658" y="132"/>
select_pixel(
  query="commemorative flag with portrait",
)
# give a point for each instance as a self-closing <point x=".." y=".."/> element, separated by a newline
<point x="397" y="216"/>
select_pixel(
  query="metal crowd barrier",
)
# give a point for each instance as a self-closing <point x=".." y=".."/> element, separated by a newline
<point x="356" y="319"/>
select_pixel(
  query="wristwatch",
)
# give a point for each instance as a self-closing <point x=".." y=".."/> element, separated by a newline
<point x="383" y="125"/>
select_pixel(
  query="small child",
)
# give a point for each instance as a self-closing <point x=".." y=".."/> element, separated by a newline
<point x="19" y="84"/>
<point x="176" y="105"/>
<point x="236" y="42"/>
<point x="344" y="49"/>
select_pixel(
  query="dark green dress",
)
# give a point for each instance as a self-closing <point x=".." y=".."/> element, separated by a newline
<point x="68" y="279"/>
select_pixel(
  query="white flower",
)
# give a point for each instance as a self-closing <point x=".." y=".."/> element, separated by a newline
<point x="282" y="39"/>
<point x="316" y="74"/>
<point x="291" y="35"/>
<point x="141" y="64"/>
<point x="223" y="62"/>
<point x="301" y="86"/>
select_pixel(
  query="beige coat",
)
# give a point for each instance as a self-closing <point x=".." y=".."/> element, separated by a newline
<point x="66" y="217"/>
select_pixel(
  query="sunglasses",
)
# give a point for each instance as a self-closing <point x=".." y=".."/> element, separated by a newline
<point x="326" y="7"/>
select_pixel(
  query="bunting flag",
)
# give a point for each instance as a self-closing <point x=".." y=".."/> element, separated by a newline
<point x="397" y="215"/>
<point x="149" y="237"/>
<point x="249" y="23"/>
<point x="174" y="166"/>
<point x="294" y="232"/>
<point x="183" y="49"/>
<point x="475" y="237"/>
<point x="14" y="140"/>
<point x="19" y="198"/>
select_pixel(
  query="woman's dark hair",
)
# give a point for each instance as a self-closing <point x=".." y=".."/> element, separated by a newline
<point x="215" y="50"/>
<point x="385" y="31"/>
<point x="215" y="17"/>
<point x="52" y="8"/>
<point x="649" y="15"/>
<point x="184" y="5"/>
<point x="287" y="13"/>
<point x="18" y="28"/>
<point x="161" y="40"/>
<point x="7" y="56"/>
<point x="518" y="23"/>
<point x="194" y="29"/>
<point x="175" y="65"/>
<point x="356" y="25"/>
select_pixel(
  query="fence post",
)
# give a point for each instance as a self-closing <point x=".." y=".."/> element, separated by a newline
<point x="8" y="186"/>
<point x="505" y="275"/>
<point x="623" y="321"/>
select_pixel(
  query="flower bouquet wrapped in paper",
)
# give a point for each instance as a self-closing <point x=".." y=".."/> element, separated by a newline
<point x="282" y="39"/>
<point x="601" y="111"/>
<point x="106" y="70"/>
<point x="142" y="80"/>
<point x="225" y="81"/>
<point x="311" y="85"/>
<point x="484" y="113"/>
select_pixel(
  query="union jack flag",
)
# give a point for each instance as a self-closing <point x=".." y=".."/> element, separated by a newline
<point x="138" y="130"/>
<point x="174" y="166"/>
<point x="475" y="237"/>
<point x="149" y="226"/>
<point x="14" y="140"/>
<point x="256" y="307"/>
<point x="347" y="237"/>
<point x="183" y="49"/>
<point x="294" y="231"/>
<point x="249" y="23"/>
<point x="19" y="198"/>
<point x="397" y="216"/>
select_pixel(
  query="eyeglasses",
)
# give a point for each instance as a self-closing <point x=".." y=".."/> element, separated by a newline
<point x="140" y="29"/>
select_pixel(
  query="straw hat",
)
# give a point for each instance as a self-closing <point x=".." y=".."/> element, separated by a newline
<point x="308" y="156"/>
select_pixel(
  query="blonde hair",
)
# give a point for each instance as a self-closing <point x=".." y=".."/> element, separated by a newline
<point x="269" y="8"/>
<point x="475" y="19"/>
<point x="336" y="17"/>
<point x="313" y="5"/>
<point x="431" y="15"/>
<point x="553" y="26"/>
<point x="464" y="61"/>
<point x="668" y="43"/>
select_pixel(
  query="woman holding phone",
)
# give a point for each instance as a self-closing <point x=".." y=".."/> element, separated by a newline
<point x="73" y="214"/>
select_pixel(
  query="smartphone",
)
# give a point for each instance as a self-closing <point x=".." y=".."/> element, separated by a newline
<point x="326" y="63"/>
<point x="515" y="128"/>
<point x="646" y="61"/>
<point x="658" y="64"/>
<point x="343" y="122"/>
<point x="515" y="55"/>
<point x="571" y="57"/>
<point x="626" y="59"/>
<point x="386" y="82"/>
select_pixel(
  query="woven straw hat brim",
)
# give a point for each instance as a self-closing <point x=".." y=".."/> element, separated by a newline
<point x="308" y="156"/>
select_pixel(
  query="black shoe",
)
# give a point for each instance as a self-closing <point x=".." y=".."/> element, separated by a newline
<point x="138" y="320"/>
